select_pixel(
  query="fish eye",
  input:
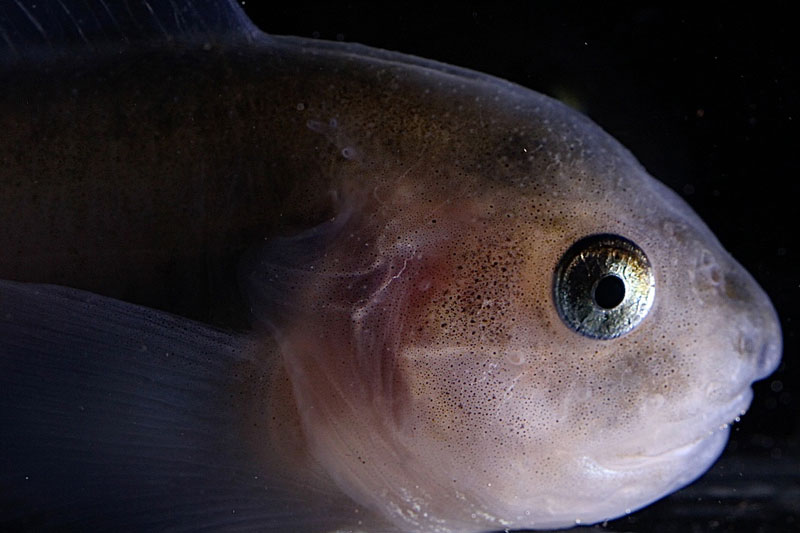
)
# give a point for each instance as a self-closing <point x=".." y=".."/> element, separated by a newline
<point x="604" y="286"/>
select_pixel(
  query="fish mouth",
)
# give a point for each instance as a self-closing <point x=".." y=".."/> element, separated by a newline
<point x="709" y="431"/>
<point x="709" y="427"/>
<point x="706" y="442"/>
<point x="642" y="479"/>
<point x="636" y="479"/>
<point x="738" y="406"/>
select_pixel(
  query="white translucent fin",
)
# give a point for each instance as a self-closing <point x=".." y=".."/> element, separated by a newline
<point x="32" y="28"/>
<point x="117" y="417"/>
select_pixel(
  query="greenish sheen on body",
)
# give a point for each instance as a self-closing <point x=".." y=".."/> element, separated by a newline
<point x="271" y="283"/>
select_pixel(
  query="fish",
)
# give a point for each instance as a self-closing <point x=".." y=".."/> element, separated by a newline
<point x="463" y="306"/>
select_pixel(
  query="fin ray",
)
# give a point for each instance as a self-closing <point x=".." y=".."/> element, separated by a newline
<point x="29" y="26"/>
<point x="114" y="416"/>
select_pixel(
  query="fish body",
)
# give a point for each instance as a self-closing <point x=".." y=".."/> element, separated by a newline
<point x="405" y="234"/>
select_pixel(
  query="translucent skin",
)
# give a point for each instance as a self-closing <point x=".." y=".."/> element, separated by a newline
<point x="434" y="380"/>
<point x="421" y="369"/>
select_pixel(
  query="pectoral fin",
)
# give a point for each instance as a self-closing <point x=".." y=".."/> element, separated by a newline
<point x="118" y="417"/>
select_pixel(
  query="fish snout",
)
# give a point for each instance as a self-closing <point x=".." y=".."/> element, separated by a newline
<point x="759" y="339"/>
<point x="751" y="323"/>
<point x="760" y="344"/>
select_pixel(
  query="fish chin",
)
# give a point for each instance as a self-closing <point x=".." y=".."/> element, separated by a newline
<point x="660" y="437"/>
<point x="633" y="480"/>
<point x="644" y="478"/>
<point x="598" y="487"/>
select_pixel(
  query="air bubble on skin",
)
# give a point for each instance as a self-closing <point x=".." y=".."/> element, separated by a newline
<point x="515" y="357"/>
<point x="326" y="128"/>
<point x="331" y="131"/>
<point x="316" y="125"/>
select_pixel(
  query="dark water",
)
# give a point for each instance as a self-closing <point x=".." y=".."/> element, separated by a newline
<point x="707" y="100"/>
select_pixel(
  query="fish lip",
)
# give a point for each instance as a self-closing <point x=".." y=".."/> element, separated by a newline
<point x="730" y="410"/>
<point x="737" y="406"/>
<point x="709" y="429"/>
<point x="637" y="463"/>
<point x="769" y="357"/>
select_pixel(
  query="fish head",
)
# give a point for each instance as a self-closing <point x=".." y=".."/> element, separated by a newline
<point x="452" y="357"/>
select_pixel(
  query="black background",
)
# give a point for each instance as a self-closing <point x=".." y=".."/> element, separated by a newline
<point x="706" y="98"/>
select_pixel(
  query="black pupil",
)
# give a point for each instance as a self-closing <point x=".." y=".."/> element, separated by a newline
<point x="609" y="292"/>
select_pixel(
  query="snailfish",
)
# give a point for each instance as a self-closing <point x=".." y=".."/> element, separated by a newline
<point x="470" y="309"/>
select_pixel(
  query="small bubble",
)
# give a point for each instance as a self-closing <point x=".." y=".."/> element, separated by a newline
<point x="315" y="125"/>
<point x="515" y="357"/>
<point x="301" y="106"/>
<point x="785" y="398"/>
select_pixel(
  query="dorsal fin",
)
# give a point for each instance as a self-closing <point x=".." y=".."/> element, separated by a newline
<point x="26" y="25"/>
